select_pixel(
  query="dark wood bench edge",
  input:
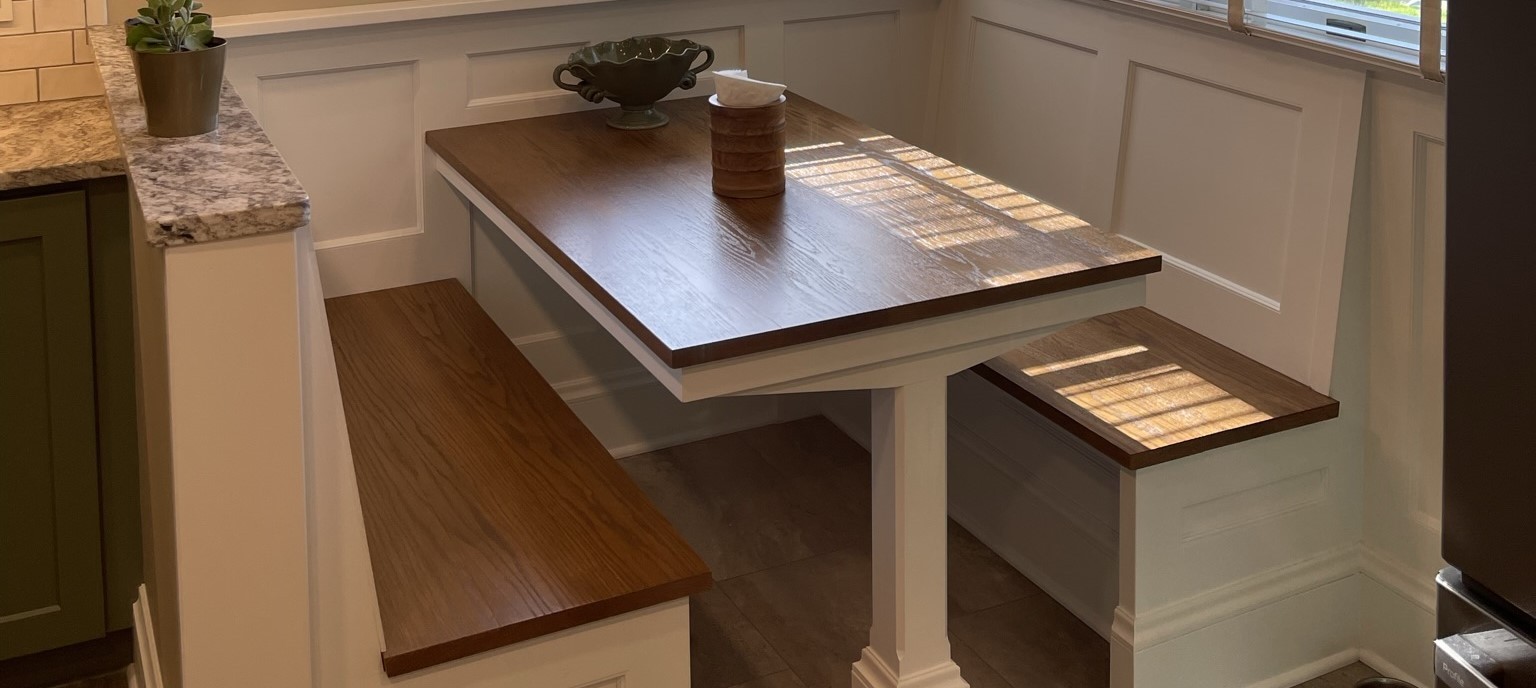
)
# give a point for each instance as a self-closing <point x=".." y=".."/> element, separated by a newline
<point x="559" y="622"/>
<point x="1151" y="457"/>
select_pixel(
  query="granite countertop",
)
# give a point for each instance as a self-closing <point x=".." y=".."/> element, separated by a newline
<point x="56" y="142"/>
<point x="229" y="183"/>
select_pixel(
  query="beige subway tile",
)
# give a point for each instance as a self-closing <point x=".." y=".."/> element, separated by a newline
<point x="58" y="15"/>
<point x="74" y="81"/>
<point x="36" y="50"/>
<point x="83" y="52"/>
<point x="96" y="12"/>
<point x="70" y="81"/>
<point x="18" y="87"/>
<point x="21" y="19"/>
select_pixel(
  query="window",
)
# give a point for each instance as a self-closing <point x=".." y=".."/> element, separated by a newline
<point x="1385" y="30"/>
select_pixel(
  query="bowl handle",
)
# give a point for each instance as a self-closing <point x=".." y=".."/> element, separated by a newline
<point x="584" y="88"/>
<point x="692" y="77"/>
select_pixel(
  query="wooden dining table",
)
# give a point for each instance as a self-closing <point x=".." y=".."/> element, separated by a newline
<point x="882" y="267"/>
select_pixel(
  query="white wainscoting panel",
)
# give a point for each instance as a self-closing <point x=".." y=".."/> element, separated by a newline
<point x="847" y="63"/>
<point x="1206" y="176"/>
<point x="500" y="75"/>
<point x="366" y="117"/>
<point x="1027" y="114"/>
<point x="1238" y="164"/>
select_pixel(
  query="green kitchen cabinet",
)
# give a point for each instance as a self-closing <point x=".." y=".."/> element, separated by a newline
<point x="69" y="518"/>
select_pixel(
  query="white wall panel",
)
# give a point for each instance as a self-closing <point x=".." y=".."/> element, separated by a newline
<point x="366" y="117"/>
<point x="1027" y="109"/>
<point x="847" y="63"/>
<point x="499" y="75"/>
<point x="1207" y="177"/>
<point x="1237" y="163"/>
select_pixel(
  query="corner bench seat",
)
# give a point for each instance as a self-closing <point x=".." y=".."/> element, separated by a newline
<point x="1144" y="389"/>
<point x="493" y="516"/>
<point x="1227" y="537"/>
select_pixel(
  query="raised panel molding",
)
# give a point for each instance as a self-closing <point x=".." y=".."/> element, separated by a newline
<point x="1207" y="176"/>
<point x="1045" y="85"/>
<point x="506" y="76"/>
<point x="366" y="118"/>
<point x="1428" y="328"/>
<point x="1254" y="504"/>
<point x="848" y="63"/>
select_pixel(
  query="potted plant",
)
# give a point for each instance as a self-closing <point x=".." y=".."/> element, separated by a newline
<point x="180" y="65"/>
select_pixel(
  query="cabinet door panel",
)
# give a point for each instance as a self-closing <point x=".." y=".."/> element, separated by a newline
<point x="50" y="523"/>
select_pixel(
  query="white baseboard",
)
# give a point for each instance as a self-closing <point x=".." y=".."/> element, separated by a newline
<point x="1245" y="596"/>
<point x="1281" y="640"/>
<point x="1307" y="672"/>
<point x="1397" y="629"/>
<point x="145" y="672"/>
<point x="1388" y="669"/>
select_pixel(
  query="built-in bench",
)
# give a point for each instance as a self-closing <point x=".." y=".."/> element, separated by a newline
<point x="493" y="516"/>
<point x="1144" y="389"/>
<point x="1223" y="522"/>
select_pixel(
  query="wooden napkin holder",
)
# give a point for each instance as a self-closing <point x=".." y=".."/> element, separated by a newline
<point x="747" y="149"/>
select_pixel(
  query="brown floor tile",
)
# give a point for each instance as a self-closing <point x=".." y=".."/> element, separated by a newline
<point x="816" y="614"/>
<point x="978" y="578"/>
<point x="726" y="649"/>
<point x="783" y="679"/>
<point x="1343" y="678"/>
<point x="1036" y="642"/>
<point x="973" y="668"/>
<point x="117" y="679"/>
<point x="740" y="512"/>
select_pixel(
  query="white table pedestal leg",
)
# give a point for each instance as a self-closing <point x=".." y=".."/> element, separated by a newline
<point x="909" y="639"/>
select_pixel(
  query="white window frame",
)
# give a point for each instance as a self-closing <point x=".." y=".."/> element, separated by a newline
<point x="1390" y="40"/>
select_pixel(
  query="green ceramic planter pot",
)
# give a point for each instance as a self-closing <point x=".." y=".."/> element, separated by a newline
<point x="181" y="90"/>
<point x="635" y="73"/>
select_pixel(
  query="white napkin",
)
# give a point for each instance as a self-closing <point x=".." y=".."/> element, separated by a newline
<point x="736" y="90"/>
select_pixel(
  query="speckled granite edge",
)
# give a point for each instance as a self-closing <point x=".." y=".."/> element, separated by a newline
<point x="225" y="184"/>
<point x="55" y="142"/>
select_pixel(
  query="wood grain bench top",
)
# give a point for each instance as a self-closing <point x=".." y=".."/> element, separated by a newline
<point x="1144" y="389"/>
<point x="493" y="515"/>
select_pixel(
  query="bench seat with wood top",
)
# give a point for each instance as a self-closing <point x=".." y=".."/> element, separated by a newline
<point x="1144" y="389"/>
<point x="1224" y="480"/>
<point x="493" y="516"/>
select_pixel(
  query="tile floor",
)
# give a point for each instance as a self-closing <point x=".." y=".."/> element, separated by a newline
<point x="781" y="515"/>
<point x="115" y="680"/>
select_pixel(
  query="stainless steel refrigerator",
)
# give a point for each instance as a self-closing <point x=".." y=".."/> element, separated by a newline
<point x="1487" y="596"/>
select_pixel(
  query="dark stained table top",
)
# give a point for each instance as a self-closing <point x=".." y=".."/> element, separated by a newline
<point x="871" y="231"/>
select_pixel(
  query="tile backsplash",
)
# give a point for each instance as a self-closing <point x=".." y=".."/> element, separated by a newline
<point x="44" y="54"/>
